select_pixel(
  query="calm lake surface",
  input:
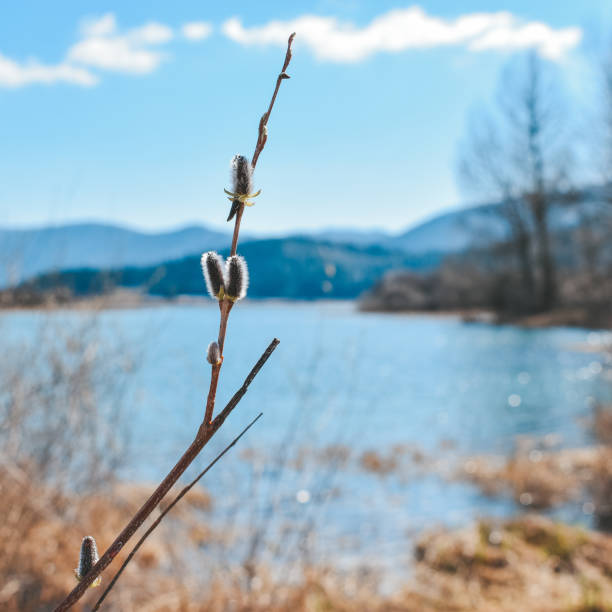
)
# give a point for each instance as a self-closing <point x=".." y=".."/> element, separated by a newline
<point x="340" y="377"/>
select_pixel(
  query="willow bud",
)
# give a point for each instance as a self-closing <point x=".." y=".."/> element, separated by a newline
<point x="212" y="267"/>
<point x="87" y="559"/>
<point x="242" y="175"/>
<point x="237" y="275"/>
<point x="242" y="183"/>
<point x="213" y="354"/>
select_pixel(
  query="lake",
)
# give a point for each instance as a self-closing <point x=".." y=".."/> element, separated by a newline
<point x="342" y="382"/>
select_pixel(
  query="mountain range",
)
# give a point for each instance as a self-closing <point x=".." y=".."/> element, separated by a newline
<point x="25" y="253"/>
<point x="87" y="258"/>
<point x="293" y="268"/>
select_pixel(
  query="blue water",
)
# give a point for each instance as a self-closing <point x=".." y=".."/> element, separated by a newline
<point x="366" y="381"/>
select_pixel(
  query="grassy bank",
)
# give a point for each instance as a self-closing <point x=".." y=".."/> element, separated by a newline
<point x="529" y="563"/>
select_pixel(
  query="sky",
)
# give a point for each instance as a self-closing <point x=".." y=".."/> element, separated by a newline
<point x="130" y="113"/>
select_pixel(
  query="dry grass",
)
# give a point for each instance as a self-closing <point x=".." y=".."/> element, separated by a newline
<point x="40" y="540"/>
<point x="527" y="564"/>
<point x="600" y="489"/>
<point x="542" y="479"/>
<point x="602" y="424"/>
<point x="41" y="533"/>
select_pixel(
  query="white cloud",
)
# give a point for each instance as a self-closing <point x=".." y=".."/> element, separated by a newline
<point x="101" y="46"/>
<point x="133" y="51"/>
<point x="114" y="54"/>
<point x="100" y="26"/>
<point x="150" y="34"/>
<point x="411" y="28"/>
<point x="550" y="43"/>
<point x="14" y="74"/>
<point x="196" y="30"/>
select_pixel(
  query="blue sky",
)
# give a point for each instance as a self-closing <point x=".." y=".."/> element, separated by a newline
<point x="131" y="112"/>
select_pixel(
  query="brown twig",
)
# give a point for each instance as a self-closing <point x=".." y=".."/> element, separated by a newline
<point x="208" y="427"/>
<point x="203" y="436"/>
<point x="224" y="309"/>
<point x="262" y="136"/>
<point x="263" y="123"/>
<point x="212" y="392"/>
<point x="182" y="494"/>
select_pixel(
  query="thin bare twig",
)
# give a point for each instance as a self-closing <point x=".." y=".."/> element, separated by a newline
<point x="204" y="435"/>
<point x="225" y="306"/>
<point x="208" y="428"/>
<point x="262" y="135"/>
<point x="263" y="123"/>
<point x="159" y="519"/>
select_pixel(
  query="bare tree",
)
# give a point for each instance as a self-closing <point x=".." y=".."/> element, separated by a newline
<point x="516" y="155"/>
<point x="605" y="148"/>
<point x="594" y="232"/>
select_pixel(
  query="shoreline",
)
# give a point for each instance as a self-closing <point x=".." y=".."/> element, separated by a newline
<point x="131" y="299"/>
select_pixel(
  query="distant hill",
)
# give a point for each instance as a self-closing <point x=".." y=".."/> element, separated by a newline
<point x="465" y="228"/>
<point x="454" y="231"/>
<point x="347" y="235"/>
<point x="295" y="268"/>
<point x="483" y="225"/>
<point x="26" y="253"/>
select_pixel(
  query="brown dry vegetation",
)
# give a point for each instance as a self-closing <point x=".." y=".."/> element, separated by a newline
<point x="536" y="479"/>
<point x="41" y="534"/>
<point x="602" y="424"/>
<point x="542" y="479"/>
<point x="527" y="564"/>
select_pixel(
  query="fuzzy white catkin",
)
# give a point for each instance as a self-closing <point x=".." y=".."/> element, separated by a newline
<point x="88" y="557"/>
<point x="242" y="175"/>
<point x="212" y="268"/>
<point x="237" y="277"/>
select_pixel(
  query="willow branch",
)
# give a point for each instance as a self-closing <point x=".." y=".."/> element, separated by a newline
<point x="159" y="519"/>
<point x="208" y="427"/>
<point x="262" y="135"/>
<point x="263" y="123"/>
<point x="202" y="438"/>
